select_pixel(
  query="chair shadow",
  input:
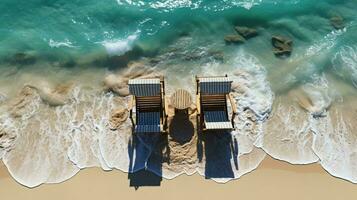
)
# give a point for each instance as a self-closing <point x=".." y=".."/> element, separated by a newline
<point x="220" y="149"/>
<point x="144" y="178"/>
<point x="235" y="149"/>
<point x="181" y="128"/>
<point x="145" y="164"/>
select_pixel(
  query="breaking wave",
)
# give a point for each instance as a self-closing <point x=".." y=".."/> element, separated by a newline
<point x="120" y="47"/>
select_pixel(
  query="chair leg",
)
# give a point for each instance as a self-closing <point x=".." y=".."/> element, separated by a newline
<point x="165" y="123"/>
<point x="198" y="125"/>
<point x="232" y="120"/>
<point x="131" y="117"/>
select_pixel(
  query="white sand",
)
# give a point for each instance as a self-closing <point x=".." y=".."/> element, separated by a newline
<point x="272" y="180"/>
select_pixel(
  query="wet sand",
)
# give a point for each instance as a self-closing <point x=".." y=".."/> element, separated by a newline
<point x="272" y="180"/>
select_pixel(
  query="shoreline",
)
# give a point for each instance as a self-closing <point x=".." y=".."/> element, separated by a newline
<point x="284" y="138"/>
<point x="270" y="179"/>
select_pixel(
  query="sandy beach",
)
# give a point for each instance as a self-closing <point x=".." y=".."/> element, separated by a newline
<point x="272" y="180"/>
<point x="268" y="91"/>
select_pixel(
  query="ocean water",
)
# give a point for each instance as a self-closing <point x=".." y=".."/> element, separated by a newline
<point x="64" y="67"/>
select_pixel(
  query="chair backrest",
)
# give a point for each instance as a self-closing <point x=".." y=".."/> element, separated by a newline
<point x="214" y="85"/>
<point x="148" y="94"/>
<point x="214" y="102"/>
<point x="145" y="87"/>
<point x="148" y="103"/>
<point x="213" y="92"/>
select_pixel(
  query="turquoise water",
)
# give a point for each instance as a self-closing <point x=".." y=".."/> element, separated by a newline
<point x="299" y="108"/>
<point x="67" y="31"/>
<point x="84" y="25"/>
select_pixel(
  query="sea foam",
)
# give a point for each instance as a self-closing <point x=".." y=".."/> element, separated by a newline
<point x="120" y="47"/>
<point x="335" y="144"/>
<point x="57" y="44"/>
<point x="345" y="63"/>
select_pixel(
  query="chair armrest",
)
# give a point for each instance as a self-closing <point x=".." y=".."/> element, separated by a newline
<point x="164" y="120"/>
<point x="131" y="104"/>
<point x="233" y="103"/>
<point x="198" y="104"/>
<point x="166" y="108"/>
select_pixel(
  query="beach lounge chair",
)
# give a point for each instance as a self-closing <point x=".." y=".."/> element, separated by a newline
<point x="148" y="98"/>
<point x="212" y="96"/>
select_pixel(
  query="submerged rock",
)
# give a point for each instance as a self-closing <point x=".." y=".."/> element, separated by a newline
<point x="192" y="56"/>
<point x="234" y="39"/>
<point x="246" y="32"/>
<point x="282" y="46"/>
<point x="23" y="59"/>
<point x="68" y="64"/>
<point x="337" y="22"/>
<point x="217" y="55"/>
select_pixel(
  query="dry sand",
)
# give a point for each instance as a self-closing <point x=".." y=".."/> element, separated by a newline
<point x="272" y="180"/>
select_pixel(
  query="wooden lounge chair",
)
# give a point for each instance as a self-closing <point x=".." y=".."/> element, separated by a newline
<point x="212" y="96"/>
<point x="148" y="98"/>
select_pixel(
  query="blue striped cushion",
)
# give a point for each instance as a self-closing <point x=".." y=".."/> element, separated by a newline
<point x="148" y="118"/>
<point x="148" y="122"/>
<point x="215" y="120"/>
<point x="215" y="116"/>
<point x="145" y="87"/>
<point x="147" y="128"/>
<point x="221" y="85"/>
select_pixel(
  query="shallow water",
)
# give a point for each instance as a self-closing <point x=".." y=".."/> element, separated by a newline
<point x="56" y="110"/>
